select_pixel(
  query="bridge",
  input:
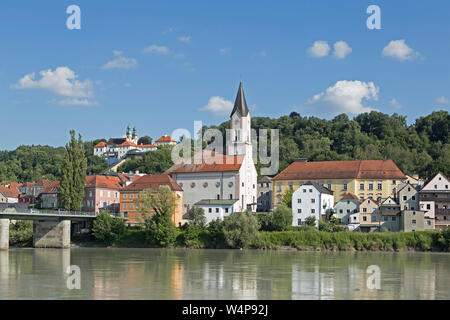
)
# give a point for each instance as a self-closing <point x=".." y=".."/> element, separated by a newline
<point x="51" y="228"/>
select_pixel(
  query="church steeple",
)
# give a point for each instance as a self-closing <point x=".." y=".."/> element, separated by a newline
<point x="240" y="105"/>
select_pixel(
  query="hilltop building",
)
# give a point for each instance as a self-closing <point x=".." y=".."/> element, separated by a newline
<point x="165" y="140"/>
<point x="117" y="149"/>
<point x="434" y="199"/>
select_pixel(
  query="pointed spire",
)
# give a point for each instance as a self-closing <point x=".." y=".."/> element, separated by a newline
<point x="240" y="105"/>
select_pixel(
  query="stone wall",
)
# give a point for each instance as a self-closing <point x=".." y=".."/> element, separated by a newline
<point x="4" y="234"/>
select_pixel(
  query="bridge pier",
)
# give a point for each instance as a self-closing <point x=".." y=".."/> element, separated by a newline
<point x="4" y="234"/>
<point x="51" y="234"/>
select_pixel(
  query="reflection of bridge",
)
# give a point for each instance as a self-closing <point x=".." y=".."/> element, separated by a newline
<point x="51" y="229"/>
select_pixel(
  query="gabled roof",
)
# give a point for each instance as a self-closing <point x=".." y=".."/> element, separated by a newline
<point x="101" y="144"/>
<point x="226" y="202"/>
<point x="349" y="196"/>
<point x="319" y="187"/>
<point x="215" y="163"/>
<point x="265" y="179"/>
<point x="165" y="138"/>
<point x="425" y="185"/>
<point x="102" y="181"/>
<point x="353" y="169"/>
<point x="10" y="191"/>
<point x="51" y="188"/>
<point x="240" y="105"/>
<point x="153" y="182"/>
<point x="373" y="200"/>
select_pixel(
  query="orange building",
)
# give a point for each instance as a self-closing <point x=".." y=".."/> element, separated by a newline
<point x="129" y="195"/>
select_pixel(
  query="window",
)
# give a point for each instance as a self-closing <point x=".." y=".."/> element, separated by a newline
<point x="404" y="198"/>
<point x="364" y="218"/>
<point x="394" y="218"/>
<point x="299" y="222"/>
<point x="374" y="218"/>
<point x="90" y="193"/>
<point x="218" y="197"/>
<point x="329" y="185"/>
<point x="131" y="196"/>
<point x="205" y="184"/>
<point x="428" y="206"/>
<point x="131" y="206"/>
<point x="125" y="196"/>
<point x="429" y="222"/>
<point x="370" y="185"/>
<point x="364" y="209"/>
<point x="344" y="186"/>
<point x="291" y="186"/>
<point x="313" y="200"/>
<point x="217" y="210"/>
<point x="299" y="210"/>
<point x="340" y="210"/>
<point x="101" y="193"/>
<point x="304" y="190"/>
<point x="124" y="205"/>
<point x="192" y="184"/>
<point x="385" y="218"/>
<point x="278" y="186"/>
<point x="109" y="194"/>
<point x="231" y="196"/>
<point x="242" y="184"/>
<point x="361" y="186"/>
<point x="226" y="210"/>
<point x="380" y="186"/>
<point x="299" y="200"/>
<point x="209" y="210"/>
<point x="394" y="182"/>
<point x="313" y="210"/>
<point x="348" y="210"/>
<point x="310" y="190"/>
<point x="413" y="221"/>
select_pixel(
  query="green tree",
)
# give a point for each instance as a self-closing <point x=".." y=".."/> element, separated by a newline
<point x="108" y="229"/>
<point x="240" y="229"/>
<point x="282" y="218"/>
<point x="286" y="199"/>
<point x="311" y="221"/>
<point x="73" y="174"/>
<point x="197" y="216"/>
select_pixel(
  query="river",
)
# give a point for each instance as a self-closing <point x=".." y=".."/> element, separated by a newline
<point x="221" y="274"/>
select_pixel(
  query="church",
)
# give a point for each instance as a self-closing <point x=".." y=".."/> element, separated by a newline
<point x="228" y="186"/>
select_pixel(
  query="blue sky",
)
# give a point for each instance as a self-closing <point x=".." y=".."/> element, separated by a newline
<point x="160" y="65"/>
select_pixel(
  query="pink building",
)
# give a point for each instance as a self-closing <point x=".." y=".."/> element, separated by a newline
<point x="102" y="193"/>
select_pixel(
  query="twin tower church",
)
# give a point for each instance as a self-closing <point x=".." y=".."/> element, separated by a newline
<point x="227" y="186"/>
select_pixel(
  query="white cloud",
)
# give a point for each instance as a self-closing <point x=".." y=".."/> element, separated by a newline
<point x="224" y="50"/>
<point x="319" y="49"/>
<point x="157" y="49"/>
<point x="218" y="106"/>
<point x="120" y="62"/>
<point x="442" y="100"/>
<point x="395" y="104"/>
<point x="185" y="39"/>
<point x="77" y="102"/>
<point x="346" y="97"/>
<point x="341" y="49"/>
<point x="399" y="50"/>
<point x="61" y="82"/>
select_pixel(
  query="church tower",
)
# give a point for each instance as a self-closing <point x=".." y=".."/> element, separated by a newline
<point x="240" y="124"/>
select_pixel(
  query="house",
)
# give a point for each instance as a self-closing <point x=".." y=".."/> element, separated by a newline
<point x="9" y="193"/>
<point x="413" y="220"/>
<point x="388" y="215"/>
<point x="230" y="176"/>
<point x="413" y="216"/>
<point x="374" y="179"/>
<point x="434" y="199"/>
<point x="50" y="197"/>
<point x="311" y="199"/>
<point x="217" y="209"/>
<point x="347" y="209"/>
<point x="129" y="206"/>
<point x="366" y="208"/>
<point x="117" y="149"/>
<point x="264" y="192"/>
<point x="165" y="140"/>
<point x="102" y="192"/>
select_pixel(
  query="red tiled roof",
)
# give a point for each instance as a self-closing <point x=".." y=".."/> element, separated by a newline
<point x="353" y="169"/>
<point x="128" y="143"/>
<point x="350" y="196"/>
<point x="51" y="187"/>
<point x="208" y="164"/>
<point x="165" y="138"/>
<point x="147" y="145"/>
<point x="153" y="182"/>
<point x="101" y="181"/>
<point x="10" y="191"/>
<point x="101" y="144"/>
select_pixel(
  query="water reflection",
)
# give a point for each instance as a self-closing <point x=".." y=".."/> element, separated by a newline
<point x="220" y="274"/>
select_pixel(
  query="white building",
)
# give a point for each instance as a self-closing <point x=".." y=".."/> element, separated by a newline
<point x="311" y="199"/>
<point x="165" y="140"/>
<point x="116" y="149"/>
<point x="218" y="209"/>
<point x="230" y="176"/>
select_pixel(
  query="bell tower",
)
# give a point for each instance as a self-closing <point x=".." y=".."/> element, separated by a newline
<point x="240" y="124"/>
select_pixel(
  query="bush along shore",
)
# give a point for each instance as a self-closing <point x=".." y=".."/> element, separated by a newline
<point x="241" y="230"/>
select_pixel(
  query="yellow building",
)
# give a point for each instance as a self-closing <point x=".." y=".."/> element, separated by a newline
<point x="373" y="179"/>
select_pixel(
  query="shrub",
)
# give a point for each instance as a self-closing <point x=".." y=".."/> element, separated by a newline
<point x="311" y="221"/>
<point x="160" y="231"/>
<point x="108" y="229"/>
<point x="21" y="233"/>
<point x="216" y="233"/>
<point x="240" y="229"/>
<point x="197" y="216"/>
<point x="282" y="218"/>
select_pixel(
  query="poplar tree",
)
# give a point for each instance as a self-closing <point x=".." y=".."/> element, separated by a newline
<point x="73" y="174"/>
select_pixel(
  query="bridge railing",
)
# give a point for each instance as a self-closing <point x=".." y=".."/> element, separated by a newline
<point x="50" y="212"/>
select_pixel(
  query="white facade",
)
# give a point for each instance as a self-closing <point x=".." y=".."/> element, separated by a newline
<point x="309" y="201"/>
<point x="218" y="210"/>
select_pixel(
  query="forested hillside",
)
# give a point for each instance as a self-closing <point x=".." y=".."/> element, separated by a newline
<point x="422" y="148"/>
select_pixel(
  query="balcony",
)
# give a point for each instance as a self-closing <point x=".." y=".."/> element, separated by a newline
<point x="430" y="197"/>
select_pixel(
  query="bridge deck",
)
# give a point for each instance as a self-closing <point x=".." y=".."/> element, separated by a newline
<point x="47" y="215"/>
